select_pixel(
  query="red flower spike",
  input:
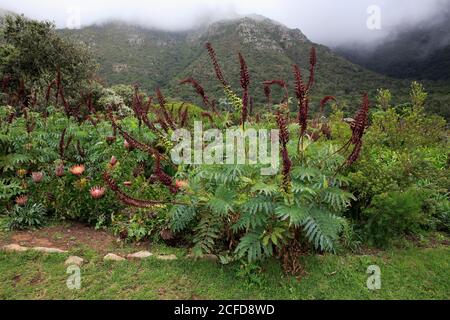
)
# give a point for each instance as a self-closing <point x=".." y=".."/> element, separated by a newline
<point x="216" y="65"/>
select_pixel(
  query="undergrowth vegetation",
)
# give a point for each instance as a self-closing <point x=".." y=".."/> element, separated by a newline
<point x="103" y="157"/>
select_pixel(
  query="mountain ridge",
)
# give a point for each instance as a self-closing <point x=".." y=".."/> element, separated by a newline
<point x="155" y="58"/>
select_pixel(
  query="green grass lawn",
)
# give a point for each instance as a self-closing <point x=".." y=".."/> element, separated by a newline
<point x="414" y="273"/>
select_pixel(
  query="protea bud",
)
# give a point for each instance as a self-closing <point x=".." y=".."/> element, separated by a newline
<point x="127" y="145"/>
<point x="21" y="173"/>
<point x="59" y="171"/>
<point x="113" y="161"/>
<point x="37" y="176"/>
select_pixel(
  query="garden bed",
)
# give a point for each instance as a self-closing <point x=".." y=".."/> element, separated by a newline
<point x="71" y="236"/>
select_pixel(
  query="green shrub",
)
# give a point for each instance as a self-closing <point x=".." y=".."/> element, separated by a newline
<point x="404" y="149"/>
<point x="140" y="224"/>
<point x="26" y="217"/>
<point x="9" y="188"/>
<point x="393" y="214"/>
<point x="439" y="207"/>
<point x="33" y="51"/>
<point x="252" y="215"/>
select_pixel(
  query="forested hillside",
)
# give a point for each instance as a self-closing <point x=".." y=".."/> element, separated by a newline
<point x="153" y="58"/>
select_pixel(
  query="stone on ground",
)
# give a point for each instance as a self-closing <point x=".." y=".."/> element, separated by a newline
<point x="113" y="257"/>
<point x="74" y="260"/>
<point x="140" y="255"/>
<point x="14" y="248"/>
<point x="49" y="250"/>
<point x="167" y="257"/>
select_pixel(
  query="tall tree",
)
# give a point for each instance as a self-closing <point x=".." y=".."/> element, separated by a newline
<point x="32" y="51"/>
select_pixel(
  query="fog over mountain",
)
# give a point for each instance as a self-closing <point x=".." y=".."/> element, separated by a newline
<point x="419" y="51"/>
<point x="329" y="22"/>
<point x="412" y="41"/>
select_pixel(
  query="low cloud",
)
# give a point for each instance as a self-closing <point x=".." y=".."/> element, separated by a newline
<point x="325" y="21"/>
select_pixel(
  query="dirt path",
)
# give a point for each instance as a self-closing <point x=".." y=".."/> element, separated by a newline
<point x="65" y="236"/>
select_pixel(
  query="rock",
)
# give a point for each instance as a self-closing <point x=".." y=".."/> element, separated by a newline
<point x="139" y="255"/>
<point x="14" y="248"/>
<point x="74" y="260"/>
<point x="113" y="257"/>
<point x="167" y="257"/>
<point x="48" y="250"/>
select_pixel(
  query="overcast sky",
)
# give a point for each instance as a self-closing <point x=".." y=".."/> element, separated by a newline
<point x="331" y="22"/>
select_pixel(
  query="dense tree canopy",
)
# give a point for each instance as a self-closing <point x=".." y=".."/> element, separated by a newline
<point x="32" y="51"/>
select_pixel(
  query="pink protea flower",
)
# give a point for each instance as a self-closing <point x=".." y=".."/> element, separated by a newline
<point x="97" y="192"/>
<point x="37" y="176"/>
<point x="77" y="169"/>
<point x="21" y="200"/>
<point x="59" y="171"/>
<point x="181" y="184"/>
<point x="113" y="161"/>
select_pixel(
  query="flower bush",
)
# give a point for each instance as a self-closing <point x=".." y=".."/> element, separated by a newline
<point x="382" y="173"/>
<point x="406" y="151"/>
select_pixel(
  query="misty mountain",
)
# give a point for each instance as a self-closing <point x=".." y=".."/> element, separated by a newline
<point x="421" y="51"/>
<point x="154" y="58"/>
